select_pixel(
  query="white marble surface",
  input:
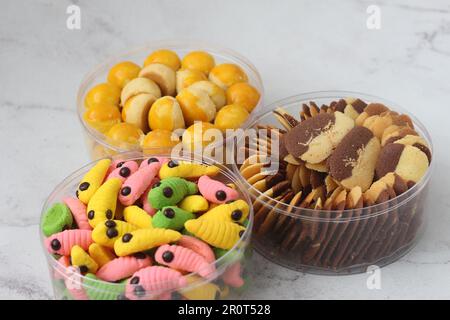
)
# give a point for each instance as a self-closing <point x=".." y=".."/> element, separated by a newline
<point x="298" y="46"/>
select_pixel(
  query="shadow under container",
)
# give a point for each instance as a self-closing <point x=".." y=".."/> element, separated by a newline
<point x="332" y="242"/>
<point x="69" y="284"/>
<point x="97" y="143"/>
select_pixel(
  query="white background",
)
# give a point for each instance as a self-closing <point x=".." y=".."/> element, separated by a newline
<point x="297" y="46"/>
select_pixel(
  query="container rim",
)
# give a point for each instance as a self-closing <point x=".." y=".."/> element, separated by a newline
<point x="76" y="175"/>
<point x="375" y="210"/>
<point x="151" y="46"/>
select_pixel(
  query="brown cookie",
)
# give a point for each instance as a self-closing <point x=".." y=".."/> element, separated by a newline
<point x="417" y="142"/>
<point x="353" y="161"/>
<point x="313" y="139"/>
<point x="372" y="109"/>
<point x="407" y="161"/>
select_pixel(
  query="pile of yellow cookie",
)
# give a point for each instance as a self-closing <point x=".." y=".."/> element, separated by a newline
<point x="140" y="107"/>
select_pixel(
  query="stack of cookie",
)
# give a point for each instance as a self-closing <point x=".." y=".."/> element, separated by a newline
<point x="336" y="201"/>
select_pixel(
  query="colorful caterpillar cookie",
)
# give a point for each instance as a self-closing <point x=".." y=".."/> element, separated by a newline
<point x="57" y="218"/>
<point x="151" y="281"/>
<point x="215" y="191"/>
<point x="180" y="258"/>
<point x="102" y="205"/>
<point x="184" y="169"/>
<point x="137" y="217"/>
<point x="235" y="211"/>
<point x="144" y="198"/>
<point x="82" y="260"/>
<point x="171" y="217"/>
<point x="137" y="183"/>
<point x="92" y="180"/>
<point x="146" y="162"/>
<point x="107" y="232"/>
<point x="220" y="234"/>
<point x="144" y="239"/>
<point x="207" y="291"/>
<point x="170" y="191"/>
<point x="79" y="212"/>
<point x="102" y="255"/>
<point x="62" y="242"/>
<point x="124" y="171"/>
<point x="194" y="204"/>
<point x="197" y="246"/>
<point x="99" y="290"/>
<point x="123" y="267"/>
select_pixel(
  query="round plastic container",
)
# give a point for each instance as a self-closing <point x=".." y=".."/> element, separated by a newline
<point x="68" y="284"/>
<point x="96" y="142"/>
<point x="337" y="242"/>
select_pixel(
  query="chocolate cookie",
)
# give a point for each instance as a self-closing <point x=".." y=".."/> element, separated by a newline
<point x="353" y="162"/>
<point x="313" y="139"/>
<point x="407" y="161"/>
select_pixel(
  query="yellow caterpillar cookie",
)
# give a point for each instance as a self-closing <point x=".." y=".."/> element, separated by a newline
<point x="137" y="217"/>
<point x="82" y="260"/>
<point x="236" y="211"/>
<point x="108" y="232"/>
<point x="102" y="205"/>
<point x="144" y="239"/>
<point x="194" y="203"/>
<point x="207" y="291"/>
<point x="100" y="254"/>
<point x="217" y="233"/>
<point x="185" y="169"/>
<point x="92" y="180"/>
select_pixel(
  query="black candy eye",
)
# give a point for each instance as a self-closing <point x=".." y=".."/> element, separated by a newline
<point x="55" y="244"/>
<point x="122" y="297"/>
<point x="112" y="233"/>
<point x="124" y="172"/>
<point x="109" y="214"/>
<point x="167" y="192"/>
<point x="77" y="194"/>
<point x="91" y="214"/>
<point x="83" y="269"/>
<point x="172" y="164"/>
<point x="120" y="164"/>
<point x="169" y="213"/>
<point x="221" y="195"/>
<point x="167" y="256"/>
<point x="127" y="237"/>
<point x="125" y="191"/>
<point x="139" y="291"/>
<point x="84" y="186"/>
<point x="152" y="160"/>
<point x="134" y="280"/>
<point x="236" y="215"/>
<point x="241" y="233"/>
<point x="110" y="223"/>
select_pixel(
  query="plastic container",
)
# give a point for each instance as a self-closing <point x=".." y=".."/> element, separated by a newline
<point x="337" y="242"/>
<point x="71" y="285"/>
<point x="96" y="142"/>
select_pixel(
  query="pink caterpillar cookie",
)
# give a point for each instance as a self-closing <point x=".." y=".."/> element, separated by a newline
<point x="123" y="267"/>
<point x="137" y="183"/>
<point x="150" y="282"/>
<point x="79" y="212"/>
<point x="197" y="246"/>
<point x="62" y="242"/>
<point x="145" y="203"/>
<point x="232" y="276"/>
<point x="181" y="258"/>
<point x="124" y="171"/>
<point x="146" y="162"/>
<point x="215" y="191"/>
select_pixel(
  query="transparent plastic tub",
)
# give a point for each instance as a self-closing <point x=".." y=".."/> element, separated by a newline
<point x="96" y="142"/>
<point x="337" y="242"/>
<point x="222" y="284"/>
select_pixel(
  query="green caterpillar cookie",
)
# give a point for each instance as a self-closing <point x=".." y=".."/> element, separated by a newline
<point x="56" y="219"/>
<point x="97" y="289"/>
<point x="170" y="191"/>
<point x="171" y="217"/>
